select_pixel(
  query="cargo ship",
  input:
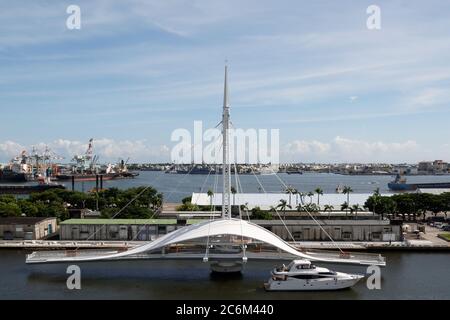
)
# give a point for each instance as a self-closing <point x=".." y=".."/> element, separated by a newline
<point x="399" y="184"/>
<point x="93" y="176"/>
<point x="85" y="168"/>
<point x="18" y="169"/>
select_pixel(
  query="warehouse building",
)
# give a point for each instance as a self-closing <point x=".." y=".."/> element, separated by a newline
<point x="27" y="228"/>
<point x="118" y="229"/>
<point x="299" y="229"/>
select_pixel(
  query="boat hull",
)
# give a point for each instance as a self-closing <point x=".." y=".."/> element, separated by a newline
<point x="93" y="177"/>
<point x="8" y="176"/>
<point x="326" y="284"/>
<point x="414" y="186"/>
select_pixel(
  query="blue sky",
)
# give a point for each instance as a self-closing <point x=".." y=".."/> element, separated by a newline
<point x="139" y="69"/>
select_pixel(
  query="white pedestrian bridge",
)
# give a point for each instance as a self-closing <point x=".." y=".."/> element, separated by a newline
<point x="212" y="240"/>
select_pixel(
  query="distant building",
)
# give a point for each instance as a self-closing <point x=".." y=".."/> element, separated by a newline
<point x="425" y="167"/>
<point x="84" y="214"/>
<point x="27" y="228"/>
<point x="440" y="166"/>
<point x="404" y="169"/>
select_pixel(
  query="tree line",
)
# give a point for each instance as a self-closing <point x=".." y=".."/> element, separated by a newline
<point x="133" y="203"/>
<point x="402" y="205"/>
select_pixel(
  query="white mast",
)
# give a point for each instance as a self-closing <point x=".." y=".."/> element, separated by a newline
<point x="226" y="204"/>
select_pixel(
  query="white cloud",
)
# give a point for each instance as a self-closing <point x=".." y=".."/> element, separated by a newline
<point x="342" y="149"/>
<point x="430" y="97"/>
<point x="108" y="150"/>
<point x="10" y="149"/>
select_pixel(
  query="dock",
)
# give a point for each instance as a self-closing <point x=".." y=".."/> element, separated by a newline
<point x="27" y="189"/>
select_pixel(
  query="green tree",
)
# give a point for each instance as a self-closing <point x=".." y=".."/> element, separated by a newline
<point x="259" y="214"/>
<point x="283" y="205"/>
<point x="344" y="207"/>
<point x="290" y="190"/>
<point x="310" y="195"/>
<point x="9" y="209"/>
<point x="354" y="209"/>
<point x="328" y="208"/>
<point x="319" y="192"/>
<point x="28" y="208"/>
<point x="210" y="194"/>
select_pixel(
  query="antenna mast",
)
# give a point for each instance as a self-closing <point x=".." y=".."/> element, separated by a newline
<point x="226" y="204"/>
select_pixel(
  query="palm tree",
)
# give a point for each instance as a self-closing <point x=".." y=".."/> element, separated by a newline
<point x="295" y="192"/>
<point x="355" y="208"/>
<point x="299" y="207"/>
<point x="283" y="205"/>
<point x="302" y="196"/>
<point x="310" y="195"/>
<point x="319" y="192"/>
<point x="376" y="192"/>
<point x="376" y="196"/>
<point x="233" y="191"/>
<point x="344" y="206"/>
<point x="210" y="194"/>
<point x="290" y="190"/>
<point x="347" y="190"/>
<point x="328" y="207"/>
<point x="245" y="208"/>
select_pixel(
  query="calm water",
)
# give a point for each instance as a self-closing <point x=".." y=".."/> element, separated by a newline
<point x="407" y="276"/>
<point x="177" y="186"/>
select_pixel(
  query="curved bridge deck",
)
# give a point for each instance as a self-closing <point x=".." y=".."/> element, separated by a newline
<point x="60" y="256"/>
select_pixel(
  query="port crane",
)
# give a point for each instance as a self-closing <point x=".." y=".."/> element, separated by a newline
<point x="88" y="157"/>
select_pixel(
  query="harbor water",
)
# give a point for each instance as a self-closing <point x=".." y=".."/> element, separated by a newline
<point x="177" y="186"/>
<point x="407" y="276"/>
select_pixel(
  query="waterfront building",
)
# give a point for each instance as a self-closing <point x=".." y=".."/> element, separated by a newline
<point x="27" y="228"/>
<point x="365" y="228"/>
<point x="119" y="229"/>
<point x="425" y="167"/>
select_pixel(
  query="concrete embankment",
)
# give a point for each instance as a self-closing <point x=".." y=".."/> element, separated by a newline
<point x="408" y="245"/>
<point x="62" y="245"/>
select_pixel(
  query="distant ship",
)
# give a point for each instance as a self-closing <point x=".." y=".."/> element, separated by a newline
<point x="85" y="168"/>
<point x="399" y="184"/>
<point x="93" y="176"/>
<point x="19" y="169"/>
<point x="294" y="171"/>
<point x="8" y="175"/>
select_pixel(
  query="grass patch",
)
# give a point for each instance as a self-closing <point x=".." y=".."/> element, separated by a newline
<point x="445" y="236"/>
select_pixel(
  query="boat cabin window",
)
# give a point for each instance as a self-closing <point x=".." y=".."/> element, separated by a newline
<point x="306" y="276"/>
<point x="305" y="266"/>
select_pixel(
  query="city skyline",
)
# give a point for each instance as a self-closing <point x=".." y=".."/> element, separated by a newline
<point x="138" y="70"/>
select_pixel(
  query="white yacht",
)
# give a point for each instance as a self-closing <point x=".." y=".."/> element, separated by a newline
<point x="301" y="275"/>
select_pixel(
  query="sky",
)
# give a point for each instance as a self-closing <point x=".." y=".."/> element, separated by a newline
<point x="138" y="70"/>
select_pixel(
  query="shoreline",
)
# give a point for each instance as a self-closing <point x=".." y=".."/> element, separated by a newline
<point x="417" y="246"/>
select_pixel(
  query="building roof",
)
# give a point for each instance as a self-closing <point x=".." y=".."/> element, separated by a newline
<point x="23" y="220"/>
<point x="126" y="221"/>
<point x="267" y="200"/>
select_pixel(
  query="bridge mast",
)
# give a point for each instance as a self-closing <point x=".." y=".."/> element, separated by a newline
<point x="226" y="204"/>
